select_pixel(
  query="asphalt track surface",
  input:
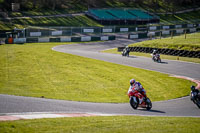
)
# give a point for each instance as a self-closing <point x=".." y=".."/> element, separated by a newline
<point x="176" y="107"/>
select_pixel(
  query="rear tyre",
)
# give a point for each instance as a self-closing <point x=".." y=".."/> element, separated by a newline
<point x="198" y="102"/>
<point x="133" y="104"/>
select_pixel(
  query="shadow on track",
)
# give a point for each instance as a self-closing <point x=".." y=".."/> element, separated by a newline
<point x="154" y="111"/>
<point x="164" y="62"/>
<point x="132" y="57"/>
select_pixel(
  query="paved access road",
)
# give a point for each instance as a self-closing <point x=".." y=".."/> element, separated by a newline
<point x="177" y="107"/>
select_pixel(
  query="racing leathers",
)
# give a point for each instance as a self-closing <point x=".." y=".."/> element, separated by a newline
<point x="136" y="87"/>
<point x="154" y="54"/>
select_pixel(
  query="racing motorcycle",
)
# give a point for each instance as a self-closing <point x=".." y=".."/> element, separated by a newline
<point x="156" y="58"/>
<point x="195" y="96"/>
<point x="138" y="100"/>
<point x="125" y="52"/>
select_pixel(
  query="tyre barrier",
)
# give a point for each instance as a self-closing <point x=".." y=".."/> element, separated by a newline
<point x="59" y="39"/>
<point x="173" y="52"/>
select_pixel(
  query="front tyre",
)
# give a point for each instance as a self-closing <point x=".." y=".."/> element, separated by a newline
<point x="134" y="103"/>
<point x="149" y="104"/>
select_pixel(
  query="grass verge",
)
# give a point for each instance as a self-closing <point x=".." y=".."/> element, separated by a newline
<point x="116" y="124"/>
<point x="35" y="70"/>
<point x="188" y="17"/>
<point x="191" y="42"/>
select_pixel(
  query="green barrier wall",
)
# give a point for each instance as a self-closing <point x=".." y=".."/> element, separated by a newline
<point x="31" y="40"/>
<point x="54" y="39"/>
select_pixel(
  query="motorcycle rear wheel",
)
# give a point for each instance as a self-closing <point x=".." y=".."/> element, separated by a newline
<point x="198" y="102"/>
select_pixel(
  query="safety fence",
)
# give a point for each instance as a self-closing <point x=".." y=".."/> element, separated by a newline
<point x="147" y="31"/>
<point x="165" y="31"/>
<point x="60" y="39"/>
<point x="74" y="31"/>
<point x="162" y="33"/>
<point x="174" y="52"/>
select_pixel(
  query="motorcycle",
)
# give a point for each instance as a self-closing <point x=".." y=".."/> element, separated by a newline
<point x="138" y="100"/>
<point x="125" y="52"/>
<point x="156" y="58"/>
<point x="195" y="96"/>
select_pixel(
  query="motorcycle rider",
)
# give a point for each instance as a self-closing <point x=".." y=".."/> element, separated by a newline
<point x="195" y="90"/>
<point x="126" y="51"/>
<point x="154" y="53"/>
<point x="136" y="86"/>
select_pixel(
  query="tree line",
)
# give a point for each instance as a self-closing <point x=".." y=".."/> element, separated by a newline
<point x="170" y="5"/>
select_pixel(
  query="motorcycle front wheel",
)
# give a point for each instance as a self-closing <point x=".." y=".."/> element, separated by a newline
<point x="133" y="104"/>
<point x="149" y="104"/>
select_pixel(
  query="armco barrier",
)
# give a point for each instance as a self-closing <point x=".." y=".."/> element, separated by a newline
<point x="183" y="53"/>
<point x="30" y="40"/>
<point x="62" y="39"/>
<point x="111" y="37"/>
<point x="54" y="40"/>
<point x="95" y="38"/>
<point x="76" y="39"/>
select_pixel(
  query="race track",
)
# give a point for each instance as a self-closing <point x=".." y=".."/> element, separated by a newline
<point x="176" y="107"/>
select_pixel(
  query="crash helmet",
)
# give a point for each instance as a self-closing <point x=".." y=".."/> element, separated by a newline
<point x="154" y="51"/>
<point x="132" y="81"/>
<point x="192" y="87"/>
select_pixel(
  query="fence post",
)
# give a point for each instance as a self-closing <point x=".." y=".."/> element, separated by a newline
<point x="185" y="33"/>
<point x="172" y="34"/>
<point x="24" y="32"/>
<point x="160" y="34"/>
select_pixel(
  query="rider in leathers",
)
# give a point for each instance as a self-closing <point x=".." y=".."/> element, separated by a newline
<point x="136" y="86"/>
<point x="196" y="91"/>
<point x="154" y="53"/>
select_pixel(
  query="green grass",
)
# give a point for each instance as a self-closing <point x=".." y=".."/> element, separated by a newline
<point x="191" y="43"/>
<point x="9" y="26"/>
<point x="114" y="124"/>
<point x="189" y="17"/>
<point x="42" y="12"/>
<point x="35" y="70"/>
<point x="74" y="21"/>
<point x="82" y="20"/>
